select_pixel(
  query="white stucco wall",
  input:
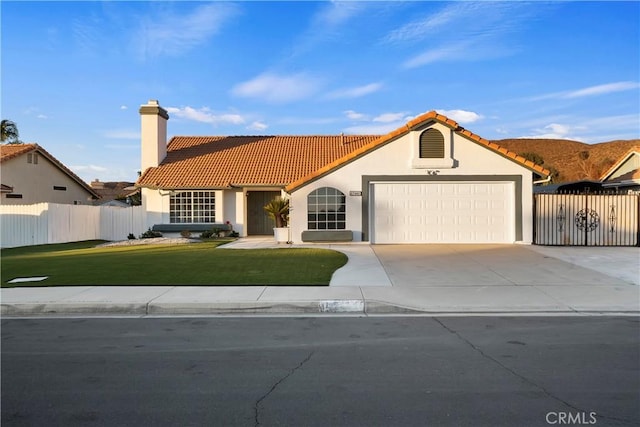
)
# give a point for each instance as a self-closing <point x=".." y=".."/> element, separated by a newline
<point x="395" y="159"/>
<point x="156" y="204"/>
<point x="35" y="183"/>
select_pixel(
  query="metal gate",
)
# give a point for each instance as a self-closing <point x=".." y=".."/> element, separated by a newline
<point x="587" y="219"/>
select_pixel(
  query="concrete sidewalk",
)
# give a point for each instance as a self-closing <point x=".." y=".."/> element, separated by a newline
<point x="503" y="279"/>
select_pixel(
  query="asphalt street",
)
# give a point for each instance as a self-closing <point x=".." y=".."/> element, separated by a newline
<point x="321" y="371"/>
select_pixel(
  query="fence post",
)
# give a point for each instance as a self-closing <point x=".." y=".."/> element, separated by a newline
<point x="637" y="219"/>
<point x="586" y="213"/>
<point x="535" y="218"/>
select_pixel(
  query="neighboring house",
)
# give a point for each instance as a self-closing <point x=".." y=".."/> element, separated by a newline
<point x="31" y="175"/>
<point x="624" y="175"/>
<point x="120" y="194"/>
<point x="429" y="181"/>
<point x="574" y="187"/>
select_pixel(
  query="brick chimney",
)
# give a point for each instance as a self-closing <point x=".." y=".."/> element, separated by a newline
<point x="153" y="120"/>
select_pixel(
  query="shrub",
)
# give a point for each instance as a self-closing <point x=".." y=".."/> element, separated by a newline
<point x="131" y="236"/>
<point x="150" y="234"/>
<point x="185" y="233"/>
<point x="206" y="234"/>
<point x="234" y="234"/>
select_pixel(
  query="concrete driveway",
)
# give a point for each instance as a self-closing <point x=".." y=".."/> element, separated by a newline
<point x="493" y="265"/>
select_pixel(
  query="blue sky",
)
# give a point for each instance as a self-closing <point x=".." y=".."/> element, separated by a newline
<point x="75" y="73"/>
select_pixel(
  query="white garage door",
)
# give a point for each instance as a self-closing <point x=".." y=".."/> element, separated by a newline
<point x="443" y="212"/>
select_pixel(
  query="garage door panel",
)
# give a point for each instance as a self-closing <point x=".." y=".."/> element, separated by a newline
<point x="442" y="212"/>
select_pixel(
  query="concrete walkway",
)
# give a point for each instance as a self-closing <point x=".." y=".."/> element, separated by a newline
<point x="385" y="279"/>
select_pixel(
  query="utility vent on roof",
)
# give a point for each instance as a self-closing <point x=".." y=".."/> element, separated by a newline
<point x="431" y="144"/>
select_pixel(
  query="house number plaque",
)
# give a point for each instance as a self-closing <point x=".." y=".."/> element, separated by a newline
<point x="355" y="193"/>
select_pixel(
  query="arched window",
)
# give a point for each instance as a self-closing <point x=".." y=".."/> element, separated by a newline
<point x="431" y="144"/>
<point x="326" y="209"/>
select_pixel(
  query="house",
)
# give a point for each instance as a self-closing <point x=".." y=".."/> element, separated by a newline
<point x="429" y="181"/>
<point x="31" y="175"/>
<point x="116" y="193"/>
<point x="624" y="175"/>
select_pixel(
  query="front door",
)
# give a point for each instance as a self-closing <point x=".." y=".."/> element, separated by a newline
<point x="258" y="223"/>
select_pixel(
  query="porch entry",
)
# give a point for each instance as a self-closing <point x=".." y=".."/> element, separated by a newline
<point x="258" y="223"/>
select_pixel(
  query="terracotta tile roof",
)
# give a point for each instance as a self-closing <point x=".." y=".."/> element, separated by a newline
<point x="411" y="125"/>
<point x="287" y="161"/>
<point x="10" y="151"/>
<point x="223" y="162"/>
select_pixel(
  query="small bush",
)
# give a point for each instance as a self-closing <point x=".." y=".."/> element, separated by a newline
<point x="185" y="233"/>
<point x="150" y="234"/>
<point x="234" y="234"/>
<point x="131" y="236"/>
<point x="206" y="234"/>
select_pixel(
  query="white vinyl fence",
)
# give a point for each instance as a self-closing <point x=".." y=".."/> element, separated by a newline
<point x="44" y="223"/>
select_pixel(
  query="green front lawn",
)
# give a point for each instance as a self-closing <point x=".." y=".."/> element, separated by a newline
<point x="82" y="263"/>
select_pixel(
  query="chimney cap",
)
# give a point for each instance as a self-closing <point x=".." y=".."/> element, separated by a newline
<point x="153" y="108"/>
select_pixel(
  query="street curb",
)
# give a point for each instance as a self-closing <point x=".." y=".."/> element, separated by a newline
<point x="20" y="309"/>
<point x="327" y="307"/>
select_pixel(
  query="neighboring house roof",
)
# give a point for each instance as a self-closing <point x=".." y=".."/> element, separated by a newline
<point x="632" y="176"/>
<point x="112" y="190"/>
<point x="11" y="151"/>
<point x="291" y="161"/>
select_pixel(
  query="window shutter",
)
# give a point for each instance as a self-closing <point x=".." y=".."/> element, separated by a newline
<point x="431" y="144"/>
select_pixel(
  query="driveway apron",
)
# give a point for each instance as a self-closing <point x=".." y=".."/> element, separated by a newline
<point x="482" y="265"/>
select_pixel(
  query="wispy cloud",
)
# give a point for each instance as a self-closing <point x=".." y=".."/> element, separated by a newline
<point x="602" y="89"/>
<point x="278" y="88"/>
<point x="467" y="50"/>
<point x="87" y="34"/>
<point x="173" y="34"/>
<point x="355" y="92"/>
<point x="430" y="24"/>
<point x="35" y="111"/>
<point x="205" y="115"/>
<point x="461" y="116"/>
<point x="390" y="117"/>
<point x="486" y="38"/>
<point x="353" y="115"/>
<point x="583" y="128"/>
<point x="328" y="23"/>
<point x="258" y="126"/>
<point x="554" y="131"/>
<point x="378" y="125"/>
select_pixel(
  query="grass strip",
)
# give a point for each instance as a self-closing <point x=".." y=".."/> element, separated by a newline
<point x="202" y="264"/>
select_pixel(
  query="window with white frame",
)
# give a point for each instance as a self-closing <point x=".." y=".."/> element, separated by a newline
<point x="192" y="207"/>
<point x="326" y="209"/>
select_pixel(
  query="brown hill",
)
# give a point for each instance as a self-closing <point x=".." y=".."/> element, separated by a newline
<point x="572" y="160"/>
